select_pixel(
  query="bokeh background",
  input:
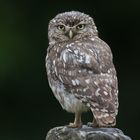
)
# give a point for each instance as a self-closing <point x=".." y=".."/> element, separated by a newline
<point x="28" y="108"/>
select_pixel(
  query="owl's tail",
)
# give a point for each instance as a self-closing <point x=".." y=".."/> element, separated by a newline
<point x="104" y="119"/>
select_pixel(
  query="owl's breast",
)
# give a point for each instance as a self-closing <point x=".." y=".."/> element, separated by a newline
<point x="67" y="100"/>
<point x="57" y="65"/>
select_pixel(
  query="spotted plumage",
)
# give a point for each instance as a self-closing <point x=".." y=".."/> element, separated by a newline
<point x="80" y="69"/>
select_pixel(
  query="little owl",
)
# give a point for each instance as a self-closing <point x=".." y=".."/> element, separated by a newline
<point x="80" y="69"/>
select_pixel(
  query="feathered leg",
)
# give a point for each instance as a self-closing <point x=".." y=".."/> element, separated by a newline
<point x="77" y="121"/>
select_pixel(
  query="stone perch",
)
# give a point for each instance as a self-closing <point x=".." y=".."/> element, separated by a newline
<point x="86" y="133"/>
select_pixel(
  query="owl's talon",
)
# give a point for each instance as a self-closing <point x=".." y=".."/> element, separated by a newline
<point x="73" y="125"/>
<point x="91" y="124"/>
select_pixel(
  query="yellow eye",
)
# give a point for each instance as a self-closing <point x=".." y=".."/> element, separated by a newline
<point x="61" y="27"/>
<point x="80" y="26"/>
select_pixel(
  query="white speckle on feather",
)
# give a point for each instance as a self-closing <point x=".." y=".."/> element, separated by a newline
<point x="97" y="109"/>
<point x="102" y="73"/>
<point x="57" y="50"/>
<point x="55" y="70"/>
<point x="81" y="59"/>
<point x="79" y="44"/>
<point x="72" y="44"/>
<point x="77" y="81"/>
<point x="79" y="71"/>
<point x="60" y="78"/>
<point x="87" y="81"/>
<point x="97" y="92"/>
<point x="64" y="65"/>
<point x="64" y="57"/>
<point x="70" y="73"/>
<point x="68" y="45"/>
<point x="100" y="66"/>
<point x="108" y="71"/>
<point x="91" y="50"/>
<point x="92" y="39"/>
<point x="85" y="89"/>
<point x="73" y="82"/>
<point x="53" y="62"/>
<point x="76" y="52"/>
<point x="54" y="20"/>
<point x="101" y="116"/>
<point x="81" y="53"/>
<point x="95" y="83"/>
<point x="104" y="110"/>
<point x="106" y="85"/>
<point x="87" y="59"/>
<point x="69" y="50"/>
<point x="95" y="104"/>
<point x="111" y="81"/>
<point x="90" y="72"/>
<point x="106" y="93"/>
<point x="106" y="115"/>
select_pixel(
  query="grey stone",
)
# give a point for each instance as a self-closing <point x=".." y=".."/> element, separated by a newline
<point x="86" y="133"/>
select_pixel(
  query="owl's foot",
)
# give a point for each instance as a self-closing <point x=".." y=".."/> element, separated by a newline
<point x="77" y="121"/>
<point x="74" y="125"/>
<point x="91" y="124"/>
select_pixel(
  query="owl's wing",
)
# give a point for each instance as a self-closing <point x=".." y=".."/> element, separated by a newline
<point x="83" y="60"/>
<point x="88" y="72"/>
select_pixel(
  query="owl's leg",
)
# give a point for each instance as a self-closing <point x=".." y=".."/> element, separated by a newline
<point x="94" y="123"/>
<point x="77" y="121"/>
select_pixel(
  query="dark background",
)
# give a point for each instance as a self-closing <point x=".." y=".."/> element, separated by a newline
<point x="28" y="108"/>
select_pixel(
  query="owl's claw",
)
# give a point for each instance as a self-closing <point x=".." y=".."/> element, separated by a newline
<point x="91" y="124"/>
<point x="74" y="125"/>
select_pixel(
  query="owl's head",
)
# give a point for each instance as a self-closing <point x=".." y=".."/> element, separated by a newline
<point x="71" y="26"/>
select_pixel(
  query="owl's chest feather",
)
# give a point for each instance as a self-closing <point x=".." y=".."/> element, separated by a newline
<point x="60" y="62"/>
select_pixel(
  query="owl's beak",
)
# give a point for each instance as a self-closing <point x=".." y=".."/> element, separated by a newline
<point x="70" y="34"/>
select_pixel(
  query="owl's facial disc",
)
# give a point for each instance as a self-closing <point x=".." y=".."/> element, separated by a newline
<point x="71" y="26"/>
<point x="76" y="30"/>
<point x="71" y="31"/>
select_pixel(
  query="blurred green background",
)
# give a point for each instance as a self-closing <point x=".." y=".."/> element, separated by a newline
<point x="28" y="108"/>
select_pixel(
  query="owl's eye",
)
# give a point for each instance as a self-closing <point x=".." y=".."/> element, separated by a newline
<point x="80" y="26"/>
<point x="61" y="27"/>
